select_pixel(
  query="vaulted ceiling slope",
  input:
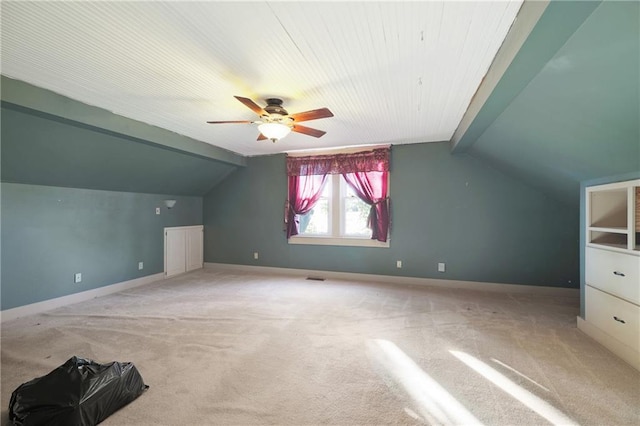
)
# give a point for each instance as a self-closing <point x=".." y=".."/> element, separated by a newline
<point x="391" y="72"/>
<point x="567" y="109"/>
<point x="48" y="139"/>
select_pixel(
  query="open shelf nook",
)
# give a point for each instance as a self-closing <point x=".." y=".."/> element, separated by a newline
<point x="613" y="216"/>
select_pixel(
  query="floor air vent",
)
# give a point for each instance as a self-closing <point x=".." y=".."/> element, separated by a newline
<point x="315" y="278"/>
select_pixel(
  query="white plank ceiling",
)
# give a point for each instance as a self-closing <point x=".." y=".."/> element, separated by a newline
<point x="391" y="72"/>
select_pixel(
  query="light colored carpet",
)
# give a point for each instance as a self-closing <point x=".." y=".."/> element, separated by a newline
<point x="236" y="348"/>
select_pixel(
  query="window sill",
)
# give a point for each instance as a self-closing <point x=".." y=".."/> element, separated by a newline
<point x="333" y="241"/>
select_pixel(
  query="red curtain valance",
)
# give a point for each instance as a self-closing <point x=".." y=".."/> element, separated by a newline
<point x="376" y="160"/>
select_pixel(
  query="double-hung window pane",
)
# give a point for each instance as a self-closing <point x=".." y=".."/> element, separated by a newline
<point x="338" y="213"/>
<point x="355" y="213"/>
<point x="317" y="220"/>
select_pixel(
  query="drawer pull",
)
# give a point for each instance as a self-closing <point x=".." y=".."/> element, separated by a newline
<point x="620" y="274"/>
<point x="619" y="320"/>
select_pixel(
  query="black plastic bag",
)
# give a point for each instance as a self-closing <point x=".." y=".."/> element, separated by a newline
<point x="80" y="392"/>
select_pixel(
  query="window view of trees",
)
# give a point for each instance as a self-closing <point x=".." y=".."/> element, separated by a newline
<point x="355" y="213"/>
<point x="316" y="222"/>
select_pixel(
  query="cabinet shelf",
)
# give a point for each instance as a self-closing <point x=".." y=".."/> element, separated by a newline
<point x="615" y="230"/>
<point x="613" y="239"/>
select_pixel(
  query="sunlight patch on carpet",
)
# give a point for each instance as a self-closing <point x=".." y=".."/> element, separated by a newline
<point x="433" y="402"/>
<point x="530" y="400"/>
<point x="524" y="376"/>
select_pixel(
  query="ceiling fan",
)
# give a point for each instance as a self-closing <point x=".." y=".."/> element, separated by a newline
<point x="275" y="122"/>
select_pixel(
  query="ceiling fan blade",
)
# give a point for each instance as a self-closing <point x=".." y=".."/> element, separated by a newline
<point x="236" y="121"/>
<point x="252" y="105"/>
<point x="308" y="131"/>
<point x="261" y="137"/>
<point x="311" y="115"/>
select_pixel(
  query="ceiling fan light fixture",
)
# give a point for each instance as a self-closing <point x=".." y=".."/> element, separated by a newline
<point x="274" y="131"/>
<point x="275" y="122"/>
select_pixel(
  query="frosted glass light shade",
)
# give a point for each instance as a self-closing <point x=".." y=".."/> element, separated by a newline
<point x="274" y="130"/>
<point x="169" y="203"/>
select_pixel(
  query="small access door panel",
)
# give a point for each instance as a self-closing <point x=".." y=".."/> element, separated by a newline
<point x="183" y="249"/>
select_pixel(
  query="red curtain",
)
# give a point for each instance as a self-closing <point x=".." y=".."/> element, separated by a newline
<point x="304" y="193"/>
<point x="371" y="187"/>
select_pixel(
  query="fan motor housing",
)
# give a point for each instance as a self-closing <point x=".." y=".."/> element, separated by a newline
<point x="274" y="106"/>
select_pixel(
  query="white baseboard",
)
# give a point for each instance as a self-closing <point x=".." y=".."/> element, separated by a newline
<point x="618" y="348"/>
<point x="391" y="279"/>
<point x="46" y="305"/>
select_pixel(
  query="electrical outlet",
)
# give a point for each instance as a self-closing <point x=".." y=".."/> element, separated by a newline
<point x="157" y="210"/>
<point x="77" y="278"/>
<point x="441" y="267"/>
<point x="255" y="255"/>
<point x="140" y="265"/>
<point x="398" y="264"/>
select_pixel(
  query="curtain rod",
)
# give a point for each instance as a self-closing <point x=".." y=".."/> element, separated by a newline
<point x="343" y="150"/>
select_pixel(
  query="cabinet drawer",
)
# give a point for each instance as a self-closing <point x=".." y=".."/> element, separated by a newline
<point x="615" y="273"/>
<point x="607" y="313"/>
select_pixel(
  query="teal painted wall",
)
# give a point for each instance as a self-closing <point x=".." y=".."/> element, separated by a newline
<point x="50" y="233"/>
<point x="578" y="118"/>
<point x="24" y="96"/>
<point x="483" y="224"/>
<point x="80" y="198"/>
<point x="42" y="149"/>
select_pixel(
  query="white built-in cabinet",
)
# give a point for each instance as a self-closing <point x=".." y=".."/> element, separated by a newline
<point x="183" y="249"/>
<point x="612" y="268"/>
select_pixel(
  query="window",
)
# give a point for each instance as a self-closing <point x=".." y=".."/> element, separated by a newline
<point x="316" y="221"/>
<point x="354" y="213"/>
<point x="338" y="200"/>
<point x="350" y="219"/>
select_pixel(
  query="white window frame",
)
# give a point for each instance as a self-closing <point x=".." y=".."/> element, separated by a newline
<point x="335" y="218"/>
